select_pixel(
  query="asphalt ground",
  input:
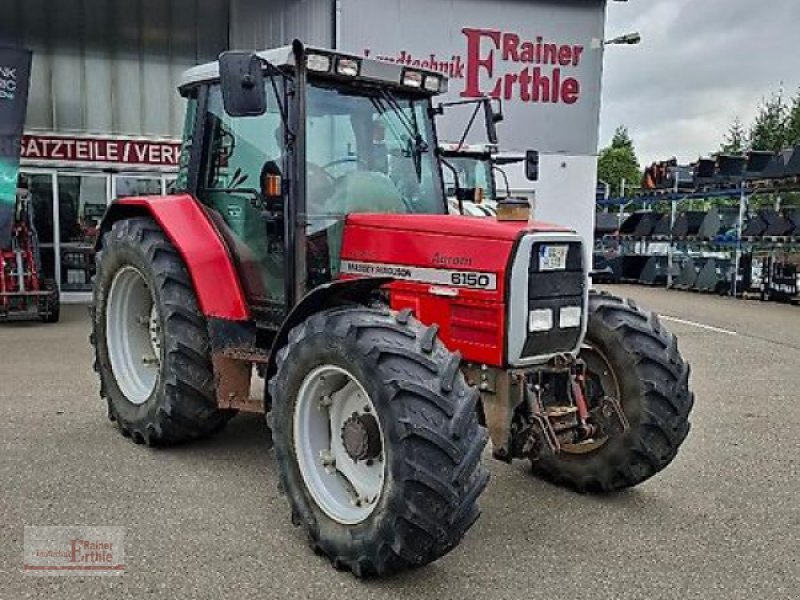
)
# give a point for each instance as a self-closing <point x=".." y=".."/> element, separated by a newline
<point x="206" y="520"/>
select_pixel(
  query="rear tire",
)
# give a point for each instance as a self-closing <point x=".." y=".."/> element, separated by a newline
<point x="51" y="302"/>
<point x="176" y="401"/>
<point x="653" y="383"/>
<point x="432" y="442"/>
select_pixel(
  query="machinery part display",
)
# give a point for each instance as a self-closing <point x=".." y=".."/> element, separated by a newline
<point x="793" y="164"/>
<point x="663" y="227"/>
<point x="631" y="357"/>
<point x="714" y="276"/>
<point x="777" y="166"/>
<point x="150" y="339"/>
<point x="704" y="172"/>
<point x="757" y="161"/>
<point x="640" y="224"/>
<point x="688" y="224"/>
<point x="778" y="226"/>
<point x="687" y="276"/>
<point x="730" y="168"/>
<point x="605" y="224"/>
<point x="633" y="265"/>
<point x="24" y="294"/>
<point x="654" y="271"/>
<point x="757" y="224"/>
<point x="606" y="270"/>
<point x="377" y="439"/>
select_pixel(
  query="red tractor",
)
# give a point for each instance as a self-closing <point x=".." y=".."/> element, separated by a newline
<point x="311" y="240"/>
<point x="24" y="293"/>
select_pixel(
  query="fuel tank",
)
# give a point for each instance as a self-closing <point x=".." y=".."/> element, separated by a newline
<point x="454" y="271"/>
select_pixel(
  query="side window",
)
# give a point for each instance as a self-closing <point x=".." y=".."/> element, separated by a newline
<point x="239" y="152"/>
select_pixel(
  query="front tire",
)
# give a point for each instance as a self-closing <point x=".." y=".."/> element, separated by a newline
<point x="150" y="340"/>
<point x="410" y="495"/>
<point x="633" y="357"/>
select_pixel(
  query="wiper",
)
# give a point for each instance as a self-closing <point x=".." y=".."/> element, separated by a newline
<point x="418" y="146"/>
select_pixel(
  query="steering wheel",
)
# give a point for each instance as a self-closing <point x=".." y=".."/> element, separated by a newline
<point x="343" y="161"/>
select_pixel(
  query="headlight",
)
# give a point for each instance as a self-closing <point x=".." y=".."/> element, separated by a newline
<point x="433" y="83"/>
<point x="348" y="67"/>
<point x="319" y="63"/>
<point x="412" y="79"/>
<point x="569" y="317"/>
<point x="540" y="320"/>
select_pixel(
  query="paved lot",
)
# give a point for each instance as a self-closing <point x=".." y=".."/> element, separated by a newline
<point x="206" y="521"/>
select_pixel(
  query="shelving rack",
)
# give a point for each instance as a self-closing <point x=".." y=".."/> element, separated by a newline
<point x="737" y="246"/>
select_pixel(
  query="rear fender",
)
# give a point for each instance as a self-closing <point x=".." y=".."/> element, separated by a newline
<point x="186" y="224"/>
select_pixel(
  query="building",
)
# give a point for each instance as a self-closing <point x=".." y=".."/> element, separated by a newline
<point x="104" y="117"/>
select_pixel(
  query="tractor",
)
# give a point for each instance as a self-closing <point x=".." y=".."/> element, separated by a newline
<point x="470" y="176"/>
<point x="24" y="293"/>
<point x="310" y="242"/>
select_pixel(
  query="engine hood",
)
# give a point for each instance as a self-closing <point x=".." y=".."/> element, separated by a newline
<point x="377" y="244"/>
<point x="470" y="227"/>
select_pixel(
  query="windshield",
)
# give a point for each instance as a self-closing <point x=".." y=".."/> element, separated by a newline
<point x="366" y="151"/>
<point x="473" y="173"/>
<point x="371" y="152"/>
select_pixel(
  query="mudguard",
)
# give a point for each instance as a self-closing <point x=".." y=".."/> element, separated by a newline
<point x="338" y="292"/>
<point x="185" y="222"/>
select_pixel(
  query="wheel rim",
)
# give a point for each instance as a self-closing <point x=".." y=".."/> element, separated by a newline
<point x="133" y="334"/>
<point x="339" y="444"/>
<point x="601" y="381"/>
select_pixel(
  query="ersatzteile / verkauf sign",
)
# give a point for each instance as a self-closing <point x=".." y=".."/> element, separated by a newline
<point x="94" y="150"/>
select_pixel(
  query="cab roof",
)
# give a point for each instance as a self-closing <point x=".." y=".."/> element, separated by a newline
<point x="284" y="57"/>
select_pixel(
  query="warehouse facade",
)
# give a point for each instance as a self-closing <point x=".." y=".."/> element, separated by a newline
<point x="104" y="118"/>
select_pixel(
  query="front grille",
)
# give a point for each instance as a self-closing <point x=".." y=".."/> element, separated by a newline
<point x="554" y="290"/>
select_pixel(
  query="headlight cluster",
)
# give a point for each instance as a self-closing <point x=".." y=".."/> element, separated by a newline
<point x="419" y="79"/>
<point x="349" y="66"/>
<point x="543" y="319"/>
<point x="345" y="66"/>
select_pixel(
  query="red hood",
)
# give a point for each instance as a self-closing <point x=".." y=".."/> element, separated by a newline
<point x="468" y="227"/>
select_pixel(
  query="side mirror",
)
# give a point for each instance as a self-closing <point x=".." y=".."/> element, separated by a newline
<point x="242" y="81"/>
<point x="532" y="165"/>
<point x="493" y="117"/>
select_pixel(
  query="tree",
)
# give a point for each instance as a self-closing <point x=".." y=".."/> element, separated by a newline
<point x="793" y="122"/>
<point x="736" y="141"/>
<point x="769" y="131"/>
<point x="618" y="161"/>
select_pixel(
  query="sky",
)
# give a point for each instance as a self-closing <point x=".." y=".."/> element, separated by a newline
<point x="701" y="63"/>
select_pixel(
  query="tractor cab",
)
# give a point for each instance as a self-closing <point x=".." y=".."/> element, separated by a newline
<point x="476" y="179"/>
<point x="280" y="146"/>
<point x="471" y="182"/>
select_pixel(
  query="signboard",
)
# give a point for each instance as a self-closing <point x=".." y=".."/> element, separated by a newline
<point x="94" y="150"/>
<point x="15" y="68"/>
<point x="542" y="58"/>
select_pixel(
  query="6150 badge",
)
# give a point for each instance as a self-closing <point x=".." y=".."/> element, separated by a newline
<point x="464" y="279"/>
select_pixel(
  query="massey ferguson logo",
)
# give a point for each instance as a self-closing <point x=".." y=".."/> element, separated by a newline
<point x="8" y="83"/>
<point x="505" y="65"/>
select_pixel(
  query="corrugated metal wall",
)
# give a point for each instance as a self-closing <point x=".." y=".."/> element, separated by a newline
<point x="259" y="24"/>
<point x="111" y="66"/>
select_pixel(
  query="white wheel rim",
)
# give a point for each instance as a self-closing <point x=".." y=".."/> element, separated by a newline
<point x="346" y="489"/>
<point x="133" y="335"/>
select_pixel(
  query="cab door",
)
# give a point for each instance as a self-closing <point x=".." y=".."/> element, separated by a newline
<point x="238" y="153"/>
